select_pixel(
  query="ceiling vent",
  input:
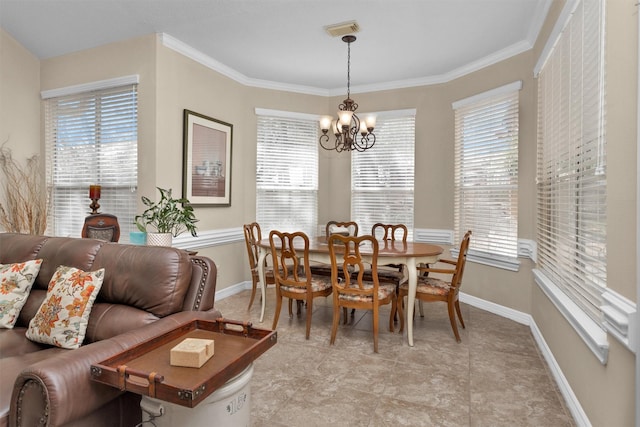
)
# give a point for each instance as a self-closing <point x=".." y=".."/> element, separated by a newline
<point x="339" y="30"/>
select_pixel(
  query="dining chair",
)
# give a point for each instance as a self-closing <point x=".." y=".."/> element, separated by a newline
<point x="394" y="237"/>
<point x="345" y="254"/>
<point x="253" y="235"/>
<point x="431" y="289"/>
<point x="290" y="252"/>
<point x="101" y="226"/>
<point x="346" y="228"/>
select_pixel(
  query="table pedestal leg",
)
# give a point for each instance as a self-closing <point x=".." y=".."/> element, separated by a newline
<point x="263" y="281"/>
<point x="411" y="298"/>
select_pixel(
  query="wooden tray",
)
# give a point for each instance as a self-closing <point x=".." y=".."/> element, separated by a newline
<point x="145" y="368"/>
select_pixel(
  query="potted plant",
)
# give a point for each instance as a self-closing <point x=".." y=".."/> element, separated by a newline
<point x="169" y="218"/>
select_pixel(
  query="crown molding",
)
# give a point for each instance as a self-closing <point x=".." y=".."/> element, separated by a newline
<point x="209" y="62"/>
<point x="188" y="51"/>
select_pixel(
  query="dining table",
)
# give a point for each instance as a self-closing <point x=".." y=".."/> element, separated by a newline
<point x="409" y="253"/>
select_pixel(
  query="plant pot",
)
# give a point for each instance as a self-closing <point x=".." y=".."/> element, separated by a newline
<point x="159" y="239"/>
<point x="137" y="237"/>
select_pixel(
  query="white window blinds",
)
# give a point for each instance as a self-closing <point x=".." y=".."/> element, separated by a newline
<point x="91" y="138"/>
<point x="571" y="174"/>
<point x="486" y="170"/>
<point x="287" y="174"/>
<point x="382" y="178"/>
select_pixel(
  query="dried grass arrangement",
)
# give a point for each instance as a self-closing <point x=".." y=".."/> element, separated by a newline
<point x="26" y="200"/>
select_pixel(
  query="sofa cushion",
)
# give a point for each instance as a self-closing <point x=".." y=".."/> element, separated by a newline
<point x="15" y="283"/>
<point x="14" y="343"/>
<point x="152" y="278"/>
<point x="62" y="318"/>
<point x="108" y="320"/>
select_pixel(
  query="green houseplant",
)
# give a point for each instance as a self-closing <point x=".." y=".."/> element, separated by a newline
<point x="167" y="215"/>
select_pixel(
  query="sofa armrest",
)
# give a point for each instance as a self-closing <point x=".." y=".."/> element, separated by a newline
<point x="59" y="390"/>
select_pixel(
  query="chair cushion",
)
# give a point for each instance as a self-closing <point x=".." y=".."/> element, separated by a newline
<point x="430" y="286"/>
<point x="318" y="284"/>
<point x="15" y="284"/>
<point x="384" y="291"/>
<point x="384" y="276"/>
<point x="63" y="316"/>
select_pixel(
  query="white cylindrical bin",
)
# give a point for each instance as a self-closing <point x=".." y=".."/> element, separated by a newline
<point x="228" y="406"/>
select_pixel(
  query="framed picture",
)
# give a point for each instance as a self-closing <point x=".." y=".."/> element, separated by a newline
<point x="206" y="160"/>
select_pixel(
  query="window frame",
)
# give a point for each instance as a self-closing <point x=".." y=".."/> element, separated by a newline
<point x="404" y="184"/>
<point x="589" y="327"/>
<point x="100" y="134"/>
<point x="466" y="113"/>
<point x="312" y="164"/>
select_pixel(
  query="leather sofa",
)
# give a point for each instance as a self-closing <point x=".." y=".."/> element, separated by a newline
<point x="147" y="290"/>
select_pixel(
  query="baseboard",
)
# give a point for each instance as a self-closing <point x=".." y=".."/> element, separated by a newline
<point x="500" y="310"/>
<point x="572" y="402"/>
<point x="233" y="289"/>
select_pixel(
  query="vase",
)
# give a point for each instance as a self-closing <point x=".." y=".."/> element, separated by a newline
<point x="137" y="237"/>
<point x="159" y="239"/>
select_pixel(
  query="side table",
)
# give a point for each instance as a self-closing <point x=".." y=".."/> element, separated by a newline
<point x="173" y="394"/>
<point x="229" y="406"/>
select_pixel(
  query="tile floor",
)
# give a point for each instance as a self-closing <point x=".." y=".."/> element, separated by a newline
<point x="494" y="377"/>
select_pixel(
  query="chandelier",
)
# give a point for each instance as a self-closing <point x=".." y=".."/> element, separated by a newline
<point x="350" y="133"/>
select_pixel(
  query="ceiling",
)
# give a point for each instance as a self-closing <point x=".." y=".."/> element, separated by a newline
<point x="283" y="44"/>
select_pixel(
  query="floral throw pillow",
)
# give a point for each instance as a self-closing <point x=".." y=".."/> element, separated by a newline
<point x="15" y="284"/>
<point x="64" y="314"/>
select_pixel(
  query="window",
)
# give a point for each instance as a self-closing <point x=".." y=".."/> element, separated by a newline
<point x="382" y="178"/>
<point x="571" y="173"/>
<point x="486" y="171"/>
<point x="287" y="172"/>
<point x="91" y="138"/>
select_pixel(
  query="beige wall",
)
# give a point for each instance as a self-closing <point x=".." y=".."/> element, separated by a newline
<point x="19" y="98"/>
<point x="186" y="84"/>
<point x="170" y="82"/>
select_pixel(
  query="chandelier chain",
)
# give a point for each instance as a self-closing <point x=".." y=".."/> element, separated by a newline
<point x="349" y="70"/>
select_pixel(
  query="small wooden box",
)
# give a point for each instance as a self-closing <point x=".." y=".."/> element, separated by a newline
<point x="191" y="352"/>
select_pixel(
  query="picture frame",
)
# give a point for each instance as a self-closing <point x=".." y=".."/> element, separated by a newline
<point x="206" y="160"/>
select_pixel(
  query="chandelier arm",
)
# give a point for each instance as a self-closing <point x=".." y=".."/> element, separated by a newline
<point x="367" y="141"/>
<point x="324" y="138"/>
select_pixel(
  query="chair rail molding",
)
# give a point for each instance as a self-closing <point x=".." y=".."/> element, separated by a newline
<point x="206" y="239"/>
<point x="528" y="249"/>
<point x="620" y="318"/>
<point x="432" y="235"/>
<point x="592" y="333"/>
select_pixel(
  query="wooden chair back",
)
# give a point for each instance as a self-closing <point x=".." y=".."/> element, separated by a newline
<point x="287" y="265"/>
<point x="338" y="227"/>
<point x="253" y="235"/>
<point x="390" y="231"/>
<point x="345" y="255"/>
<point x="456" y="279"/>
<point x="101" y="226"/>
